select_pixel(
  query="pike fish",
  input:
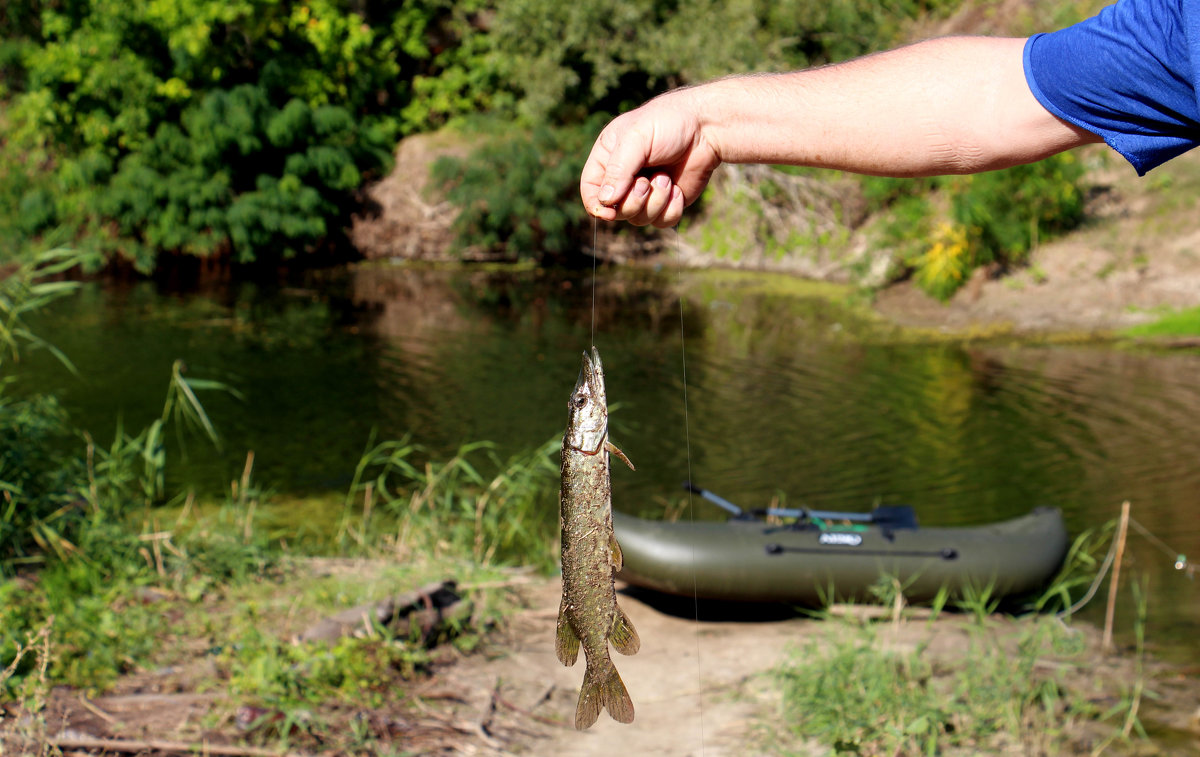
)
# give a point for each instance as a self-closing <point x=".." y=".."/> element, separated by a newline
<point x="588" y="615"/>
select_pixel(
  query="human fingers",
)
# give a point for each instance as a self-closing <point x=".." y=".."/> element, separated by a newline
<point x="673" y="211"/>
<point x="632" y="207"/>
<point x="655" y="200"/>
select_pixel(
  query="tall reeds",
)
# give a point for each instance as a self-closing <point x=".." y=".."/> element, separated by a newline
<point x="454" y="508"/>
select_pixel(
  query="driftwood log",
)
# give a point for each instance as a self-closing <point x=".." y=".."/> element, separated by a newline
<point x="428" y="611"/>
<point x="140" y="746"/>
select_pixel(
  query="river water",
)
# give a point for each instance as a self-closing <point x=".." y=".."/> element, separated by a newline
<point x="791" y="397"/>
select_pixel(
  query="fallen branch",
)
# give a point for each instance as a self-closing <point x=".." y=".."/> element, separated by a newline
<point x="427" y="608"/>
<point x="153" y="745"/>
<point x="500" y="700"/>
<point x="83" y="700"/>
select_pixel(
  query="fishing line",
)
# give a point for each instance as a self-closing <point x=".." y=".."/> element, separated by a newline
<point x="595" y="225"/>
<point x="687" y="437"/>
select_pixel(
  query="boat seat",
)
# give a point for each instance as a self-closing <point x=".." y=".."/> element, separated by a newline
<point x="894" y="516"/>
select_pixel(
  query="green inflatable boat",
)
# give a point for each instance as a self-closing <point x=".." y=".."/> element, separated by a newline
<point x="821" y="554"/>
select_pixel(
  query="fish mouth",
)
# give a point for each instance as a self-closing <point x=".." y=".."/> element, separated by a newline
<point x="591" y="375"/>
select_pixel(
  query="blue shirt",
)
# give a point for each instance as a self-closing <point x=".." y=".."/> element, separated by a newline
<point x="1129" y="75"/>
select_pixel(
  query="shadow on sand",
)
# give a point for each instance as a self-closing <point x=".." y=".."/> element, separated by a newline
<point x="712" y="610"/>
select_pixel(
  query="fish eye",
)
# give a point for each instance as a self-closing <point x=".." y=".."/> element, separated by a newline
<point x="580" y="400"/>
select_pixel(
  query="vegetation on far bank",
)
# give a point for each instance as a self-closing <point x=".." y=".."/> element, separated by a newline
<point x="249" y="130"/>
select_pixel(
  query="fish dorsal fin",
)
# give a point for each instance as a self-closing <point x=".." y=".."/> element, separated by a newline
<point x="618" y="559"/>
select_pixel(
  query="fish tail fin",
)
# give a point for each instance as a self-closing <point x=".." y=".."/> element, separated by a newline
<point x="566" y="641"/>
<point x="623" y="636"/>
<point x="603" y="687"/>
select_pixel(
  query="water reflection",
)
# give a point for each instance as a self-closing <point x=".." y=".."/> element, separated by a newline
<point x="790" y="397"/>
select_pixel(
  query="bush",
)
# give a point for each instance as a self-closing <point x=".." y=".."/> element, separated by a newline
<point x="38" y="484"/>
<point x="519" y="195"/>
<point x="1006" y="213"/>
<point x="240" y="173"/>
<point x="993" y="217"/>
<point x="204" y="126"/>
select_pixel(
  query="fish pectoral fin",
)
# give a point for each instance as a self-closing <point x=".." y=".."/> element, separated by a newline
<point x="612" y="448"/>
<point x="622" y="636"/>
<point x="618" y="559"/>
<point x="603" y="687"/>
<point x="566" y="641"/>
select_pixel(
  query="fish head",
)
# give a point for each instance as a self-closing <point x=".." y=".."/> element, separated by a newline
<point x="587" y="408"/>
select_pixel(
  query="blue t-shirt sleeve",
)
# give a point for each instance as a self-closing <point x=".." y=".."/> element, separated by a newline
<point x="1126" y="75"/>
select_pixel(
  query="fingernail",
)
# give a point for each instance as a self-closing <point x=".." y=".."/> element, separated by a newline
<point x="606" y="193"/>
<point x="662" y="181"/>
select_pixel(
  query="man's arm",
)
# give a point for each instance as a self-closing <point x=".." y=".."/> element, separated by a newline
<point x="945" y="106"/>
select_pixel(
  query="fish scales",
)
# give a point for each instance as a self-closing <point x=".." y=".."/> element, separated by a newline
<point x="589" y="615"/>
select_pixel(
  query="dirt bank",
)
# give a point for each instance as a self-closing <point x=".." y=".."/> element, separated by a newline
<point x="1137" y="257"/>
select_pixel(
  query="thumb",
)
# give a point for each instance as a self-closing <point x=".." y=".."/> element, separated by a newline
<point x="628" y="153"/>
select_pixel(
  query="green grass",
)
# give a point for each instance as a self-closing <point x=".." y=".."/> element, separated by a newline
<point x="472" y="506"/>
<point x="1180" y="323"/>
<point x="1013" y="688"/>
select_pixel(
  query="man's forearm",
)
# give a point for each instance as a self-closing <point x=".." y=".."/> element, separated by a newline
<point x="952" y="105"/>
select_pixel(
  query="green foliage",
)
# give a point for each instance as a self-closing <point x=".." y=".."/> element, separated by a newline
<point x="1184" y="322"/>
<point x="92" y="590"/>
<point x="244" y="174"/>
<point x="99" y="629"/>
<point x="360" y="670"/>
<point x="456" y="76"/>
<point x="860" y="699"/>
<point x="65" y="506"/>
<point x="945" y="265"/>
<point x="94" y="598"/>
<point x="854" y="697"/>
<point x="565" y="60"/>
<point x="132" y="470"/>
<point x="248" y="127"/>
<point x="993" y="217"/>
<point x="205" y="126"/>
<point x="38" y="485"/>
<point x="1079" y="570"/>
<point x="29" y="286"/>
<point x="1008" y="212"/>
<point x="452" y="508"/>
<point x="519" y="194"/>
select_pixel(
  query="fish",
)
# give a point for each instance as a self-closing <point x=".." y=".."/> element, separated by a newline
<point x="588" y="615"/>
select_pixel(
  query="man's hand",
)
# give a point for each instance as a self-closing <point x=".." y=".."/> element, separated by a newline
<point x="649" y="164"/>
